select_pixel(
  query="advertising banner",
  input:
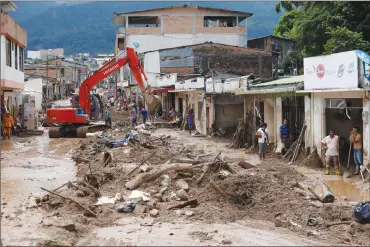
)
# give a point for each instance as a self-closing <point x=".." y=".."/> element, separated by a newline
<point x="334" y="71"/>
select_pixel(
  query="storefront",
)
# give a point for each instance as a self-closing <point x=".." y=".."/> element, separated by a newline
<point x="338" y="100"/>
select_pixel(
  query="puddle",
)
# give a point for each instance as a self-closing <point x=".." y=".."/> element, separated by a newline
<point x="342" y="188"/>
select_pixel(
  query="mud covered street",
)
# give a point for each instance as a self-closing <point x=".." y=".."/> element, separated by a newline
<point x="26" y="165"/>
<point x="161" y="186"/>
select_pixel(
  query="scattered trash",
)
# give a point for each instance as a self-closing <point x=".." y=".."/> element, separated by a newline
<point x="165" y="180"/>
<point x="224" y="173"/>
<point x="126" y="207"/>
<point x="362" y="212"/>
<point x="106" y="200"/>
<point x="139" y="195"/>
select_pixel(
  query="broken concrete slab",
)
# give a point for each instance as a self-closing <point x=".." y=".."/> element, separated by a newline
<point x="182" y="195"/>
<point x="182" y="184"/>
<point x="140" y="209"/>
<point x="153" y="212"/>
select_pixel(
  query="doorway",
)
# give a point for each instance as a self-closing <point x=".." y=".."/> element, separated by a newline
<point x="293" y="111"/>
<point x="181" y="106"/>
<point x="341" y="115"/>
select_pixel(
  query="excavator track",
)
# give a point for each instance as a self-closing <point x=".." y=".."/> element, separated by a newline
<point x="83" y="130"/>
<point x="55" y="132"/>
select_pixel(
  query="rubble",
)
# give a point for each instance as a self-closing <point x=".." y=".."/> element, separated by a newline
<point x="150" y="173"/>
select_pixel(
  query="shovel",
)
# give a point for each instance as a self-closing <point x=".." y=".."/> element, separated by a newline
<point x="347" y="173"/>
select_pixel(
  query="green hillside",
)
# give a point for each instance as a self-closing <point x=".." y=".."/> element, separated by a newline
<point x="88" y="27"/>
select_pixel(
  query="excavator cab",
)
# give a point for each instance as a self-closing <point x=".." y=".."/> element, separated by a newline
<point x="96" y="106"/>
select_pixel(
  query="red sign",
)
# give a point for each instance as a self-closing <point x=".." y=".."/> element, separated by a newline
<point x="320" y="71"/>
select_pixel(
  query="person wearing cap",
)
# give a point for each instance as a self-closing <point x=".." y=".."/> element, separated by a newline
<point x="8" y="125"/>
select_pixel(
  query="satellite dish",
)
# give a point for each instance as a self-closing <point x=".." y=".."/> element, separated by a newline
<point x="136" y="44"/>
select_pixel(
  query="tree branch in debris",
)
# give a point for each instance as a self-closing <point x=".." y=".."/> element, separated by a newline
<point x="146" y="177"/>
<point x="67" y="198"/>
<point x="193" y="203"/>
<point x="140" y="164"/>
<point x="338" y="223"/>
<point x="206" y="168"/>
<point x="43" y="198"/>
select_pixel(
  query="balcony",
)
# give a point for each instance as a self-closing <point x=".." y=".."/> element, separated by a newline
<point x="166" y="80"/>
<point x="227" y="86"/>
<point x="144" y="30"/>
<point x="196" y="83"/>
<point x="10" y="27"/>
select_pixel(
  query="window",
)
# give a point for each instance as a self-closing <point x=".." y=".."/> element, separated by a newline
<point x="222" y="21"/>
<point x="21" y="58"/>
<point x="8" y="52"/>
<point x="16" y="56"/>
<point x="62" y="72"/>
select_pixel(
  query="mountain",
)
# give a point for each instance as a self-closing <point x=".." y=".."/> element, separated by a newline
<point x="88" y="26"/>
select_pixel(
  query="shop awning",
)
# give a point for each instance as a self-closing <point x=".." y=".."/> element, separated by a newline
<point x="334" y="90"/>
<point x="181" y="90"/>
<point x="162" y="90"/>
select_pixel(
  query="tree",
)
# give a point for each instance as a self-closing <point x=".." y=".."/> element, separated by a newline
<point x="314" y="26"/>
<point x="343" y="39"/>
<point x="286" y="23"/>
<point x="293" y="59"/>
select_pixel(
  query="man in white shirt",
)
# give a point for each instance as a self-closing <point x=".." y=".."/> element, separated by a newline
<point x="111" y="100"/>
<point x="331" y="144"/>
<point x="263" y="140"/>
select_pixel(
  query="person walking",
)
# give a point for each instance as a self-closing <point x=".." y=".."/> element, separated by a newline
<point x="356" y="140"/>
<point x="111" y="101"/>
<point x="284" y="136"/>
<point x="190" y="120"/>
<point x="8" y="125"/>
<point x="263" y="140"/>
<point x="331" y="144"/>
<point x="108" y="120"/>
<point x="133" y="115"/>
<point x="144" y="114"/>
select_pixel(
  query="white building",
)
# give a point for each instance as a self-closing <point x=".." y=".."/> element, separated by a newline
<point x="338" y="99"/>
<point x="176" y="26"/>
<point x="13" y="42"/>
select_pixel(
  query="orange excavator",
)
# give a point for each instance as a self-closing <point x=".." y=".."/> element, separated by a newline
<point x="76" y="121"/>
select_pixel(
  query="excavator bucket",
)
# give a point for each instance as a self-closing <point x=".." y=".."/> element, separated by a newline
<point x="152" y="101"/>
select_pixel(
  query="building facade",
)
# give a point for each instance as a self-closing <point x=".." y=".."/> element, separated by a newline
<point x="13" y="42"/>
<point x="162" y="28"/>
<point x="338" y="99"/>
<point x="60" y="77"/>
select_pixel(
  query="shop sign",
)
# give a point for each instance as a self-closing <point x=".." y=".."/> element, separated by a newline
<point x="339" y="70"/>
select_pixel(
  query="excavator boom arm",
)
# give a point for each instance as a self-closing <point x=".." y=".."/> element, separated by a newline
<point x="106" y="70"/>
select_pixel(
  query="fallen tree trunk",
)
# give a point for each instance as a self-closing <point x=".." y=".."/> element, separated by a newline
<point x="322" y="192"/>
<point x="146" y="177"/>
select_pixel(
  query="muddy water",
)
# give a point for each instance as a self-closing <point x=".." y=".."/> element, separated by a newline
<point x="26" y="165"/>
<point x="342" y="188"/>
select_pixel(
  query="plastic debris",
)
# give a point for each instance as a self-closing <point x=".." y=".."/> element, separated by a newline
<point x="127" y="207"/>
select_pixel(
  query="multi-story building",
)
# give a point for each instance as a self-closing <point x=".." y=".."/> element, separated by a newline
<point x="60" y="76"/>
<point x="163" y="28"/>
<point x="43" y="54"/>
<point x="13" y="42"/>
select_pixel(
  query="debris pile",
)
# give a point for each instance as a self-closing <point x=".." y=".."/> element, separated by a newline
<point x="158" y="177"/>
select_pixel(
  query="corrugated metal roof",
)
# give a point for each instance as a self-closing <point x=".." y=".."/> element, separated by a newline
<point x="283" y="81"/>
<point x="188" y="6"/>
